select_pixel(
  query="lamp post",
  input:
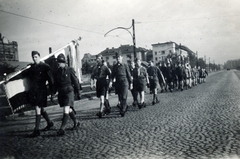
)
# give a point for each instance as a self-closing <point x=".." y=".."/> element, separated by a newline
<point x="132" y="35"/>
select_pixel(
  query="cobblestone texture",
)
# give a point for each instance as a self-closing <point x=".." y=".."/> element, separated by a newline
<point x="202" y="122"/>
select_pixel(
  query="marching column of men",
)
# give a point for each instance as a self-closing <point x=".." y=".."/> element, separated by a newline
<point x="133" y="77"/>
<point x="136" y="78"/>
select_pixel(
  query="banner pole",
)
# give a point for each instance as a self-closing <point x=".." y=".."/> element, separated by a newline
<point x="49" y="55"/>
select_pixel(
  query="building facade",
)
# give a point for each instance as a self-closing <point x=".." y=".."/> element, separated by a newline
<point x="89" y="58"/>
<point x="127" y="53"/>
<point x="8" y="50"/>
<point x="161" y="51"/>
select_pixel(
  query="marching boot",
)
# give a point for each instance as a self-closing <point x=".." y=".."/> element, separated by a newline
<point x="144" y="105"/>
<point x="107" y="107"/>
<point x="61" y="131"/>
<point x="154" y="97"/>
<point x="49" y="123"/>
<point x="100" y="113"/>
<point x="124" y="108"/>
<point x="171" y="88"/>
<point x="76" y="123"/>
<point x="157" y="101"/>
<point x="36" y="131"/>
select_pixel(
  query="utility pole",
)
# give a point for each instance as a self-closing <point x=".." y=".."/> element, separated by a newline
<point x="209" y="65"/>
<point x="197" y="59"/>
<point x="134" y="40"/>
<point x="132" y="34"/>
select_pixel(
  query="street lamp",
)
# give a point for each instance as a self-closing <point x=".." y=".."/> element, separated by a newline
<point x="132" y="34"/>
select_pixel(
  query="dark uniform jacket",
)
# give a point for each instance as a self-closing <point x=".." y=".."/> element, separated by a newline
<point x="169" y="74"/>
<point x="103" y="76"/>
<point x="180" y="73"/>
<point x="39" y="74"/>
<point x="67" y="83"/>
<point x="122" y="75"/>
<point x="100" y="71"/>
<point x="139" y="78"/>
<point x="155" y="76"/>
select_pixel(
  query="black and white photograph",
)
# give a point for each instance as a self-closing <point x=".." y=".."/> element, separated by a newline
<point x="111" y="79"/>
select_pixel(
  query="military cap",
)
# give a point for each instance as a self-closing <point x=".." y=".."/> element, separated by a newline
<point x="150" y="61"/>
<point x="35" y="53"/>
<point x="61" y="58"/>
<point x="99" y="56"/>
<point x="118" y="54"/>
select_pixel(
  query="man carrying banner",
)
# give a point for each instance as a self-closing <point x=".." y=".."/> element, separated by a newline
<point x="39" y="73"/>
<point x="102" y="74"/>
<point x="66" y="83"/>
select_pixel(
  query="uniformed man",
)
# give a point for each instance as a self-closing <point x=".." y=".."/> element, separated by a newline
<point x="101" y="73"/>
<point x="140" y="81"/>
<point x="169" y="76"/>
<point x="39" y="73"/>
<point x="188" y="75"/>
<point x="154" y="75"/>
<point x="204" y="74"/>
<point x="180" y="71"/>
<point x="162" y="82"/>
<point x="121" y="73"/>
<point x="67" y="84"/>
<point x="175" y="77"/>
<point x="131" y="65"/>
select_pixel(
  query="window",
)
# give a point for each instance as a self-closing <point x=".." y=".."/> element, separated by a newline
<point x="156" y="59"/>
<point x="163" y="52"/>
<point x="107" y="58"/>
<point x="170" y="51"/>
<point x="155" y="52"/>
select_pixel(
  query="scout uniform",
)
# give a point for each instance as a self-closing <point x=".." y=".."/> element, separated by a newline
<point x="102" y="73"/>
<point x="121" y="73"/>
<point x="67" y="84"/>
<point x="140" y="80"/>
<point x="155" y="77"/>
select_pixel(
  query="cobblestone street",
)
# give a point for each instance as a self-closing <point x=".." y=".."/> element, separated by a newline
<point x="201" y="122"/>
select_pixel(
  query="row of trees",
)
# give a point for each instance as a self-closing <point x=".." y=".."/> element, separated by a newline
<point x="232" y="64"/>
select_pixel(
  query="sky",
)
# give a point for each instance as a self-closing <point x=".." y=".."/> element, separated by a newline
<point x="211" y="28"/>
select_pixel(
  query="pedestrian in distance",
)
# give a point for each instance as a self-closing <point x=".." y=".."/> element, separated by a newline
<point x="204" y="74"/>
<point x="140" y="81"/>
<point x="67" y="85"/>
<point x="154" y="75"/>
<point x="199" y="75"/>
<point x="101" y="73"/>
<point x="39" y="73"/>
<point x="122" y="75"/>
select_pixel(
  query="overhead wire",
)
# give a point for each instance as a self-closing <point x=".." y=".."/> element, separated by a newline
<point x="49" y="22"/>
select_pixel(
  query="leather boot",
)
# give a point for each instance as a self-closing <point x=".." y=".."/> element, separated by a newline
<point x="49" y="123"/>
<point x="76" y="123"/>
<point x="64" y="122"/>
